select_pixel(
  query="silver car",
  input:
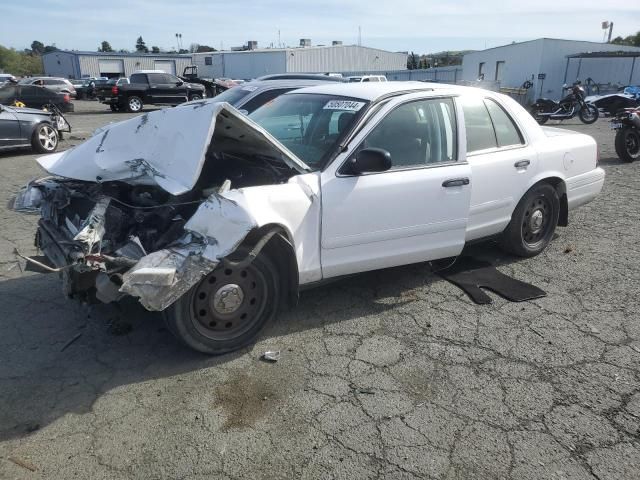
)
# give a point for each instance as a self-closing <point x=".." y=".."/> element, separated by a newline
<point x="57" y="84"/>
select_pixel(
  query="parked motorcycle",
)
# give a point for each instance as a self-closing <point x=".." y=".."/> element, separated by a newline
<point x="627" y="127"/>
<point x="570" y="106"/>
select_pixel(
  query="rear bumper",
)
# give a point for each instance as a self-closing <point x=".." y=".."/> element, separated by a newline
<point x="583" y="188"/>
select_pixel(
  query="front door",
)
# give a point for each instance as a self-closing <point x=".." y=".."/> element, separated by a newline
<point x="9" y="128"/>
<point x="414" y="212"/>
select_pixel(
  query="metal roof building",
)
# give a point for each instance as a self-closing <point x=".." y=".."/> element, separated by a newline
<point x="72" y="64"/>
<point x="249" y="64"/>
<point x="545" y="62"/>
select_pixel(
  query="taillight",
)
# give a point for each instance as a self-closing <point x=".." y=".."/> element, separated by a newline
<point x="114" y="90"/>
<point x="66" y="98"/>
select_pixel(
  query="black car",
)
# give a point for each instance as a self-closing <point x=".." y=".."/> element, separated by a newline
<point x="34" y="96"/>
<point x="151" y="87"/>
<point x="27" y="127"/>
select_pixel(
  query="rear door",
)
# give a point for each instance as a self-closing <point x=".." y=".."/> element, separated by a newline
<point x="414" y="212"/>
<point x="502" y="162"/>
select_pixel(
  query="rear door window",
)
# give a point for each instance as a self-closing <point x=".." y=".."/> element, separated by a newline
<point x="507" y="134"/>
<point x="139" y="78"/>
<point x="477" y="122"/>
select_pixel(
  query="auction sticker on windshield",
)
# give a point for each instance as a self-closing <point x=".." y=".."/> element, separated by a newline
<point x="348" y="105"/>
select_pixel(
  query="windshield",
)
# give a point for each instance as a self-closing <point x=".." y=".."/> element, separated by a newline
<point x="310" y="125"/>
<point x="235" y="94"/>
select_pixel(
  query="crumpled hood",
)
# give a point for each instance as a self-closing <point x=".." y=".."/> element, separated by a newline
<point x="167" y="147"/>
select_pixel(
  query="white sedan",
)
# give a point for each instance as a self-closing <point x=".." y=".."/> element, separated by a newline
<point x="218" y="220"/>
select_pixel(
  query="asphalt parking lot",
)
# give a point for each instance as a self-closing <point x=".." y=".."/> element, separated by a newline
<point x="394" y="374"/>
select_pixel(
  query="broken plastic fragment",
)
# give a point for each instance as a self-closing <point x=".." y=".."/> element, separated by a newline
<point x="271" y="356"/>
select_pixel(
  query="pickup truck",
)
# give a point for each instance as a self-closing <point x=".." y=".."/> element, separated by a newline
<point x="150" y="88"/>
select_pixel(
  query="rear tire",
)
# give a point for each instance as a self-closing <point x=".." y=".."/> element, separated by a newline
<point x="44" y="139"/>
<point x="535" y="112"/>
<point x="228" y="308"/>
<point x="195" y="97"/>
<point x="134" y="104"/>
<point x="533" y="222"/>
<point x="628" y="144"/>
<point x="589" y="114"/>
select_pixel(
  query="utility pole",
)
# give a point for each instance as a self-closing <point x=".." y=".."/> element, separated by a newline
<point x="279" y="42"/>
<point x="359" y="36"/>
<point x="610" y="31"/>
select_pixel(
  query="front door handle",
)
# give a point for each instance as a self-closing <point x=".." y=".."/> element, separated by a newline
<point x="522" y="164"/>
<point x="455" y="182"/>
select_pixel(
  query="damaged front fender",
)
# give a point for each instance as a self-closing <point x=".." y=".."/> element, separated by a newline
<point x="217" y="229"/>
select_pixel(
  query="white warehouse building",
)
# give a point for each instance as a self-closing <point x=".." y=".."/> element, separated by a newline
<point x="73" y="64"/>
<point x="250" y="64"/>
<point x="547" y="63"/>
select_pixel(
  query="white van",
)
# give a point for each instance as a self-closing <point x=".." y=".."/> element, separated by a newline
<point x="368" y="78"/>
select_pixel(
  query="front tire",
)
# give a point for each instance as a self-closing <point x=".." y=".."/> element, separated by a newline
<point x="195" y="96"/>
<point x="533" y="222"/>
<point x="536" y="112"/>
<point x="134" y="104"/>
<point x="589" y="114"/>
<point x="628" y="144"/>
<point x="44" y="139"/>
<point x="228" y="308"/>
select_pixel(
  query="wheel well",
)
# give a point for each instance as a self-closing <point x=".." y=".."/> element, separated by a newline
<point x="561" y="188"/>
<point x="282" y="253"/>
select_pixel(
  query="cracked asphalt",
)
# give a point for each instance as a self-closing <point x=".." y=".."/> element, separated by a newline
<point x="393" y="374"/>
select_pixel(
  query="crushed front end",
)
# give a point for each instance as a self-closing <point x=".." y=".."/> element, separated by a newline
<point x="111" y="239"/>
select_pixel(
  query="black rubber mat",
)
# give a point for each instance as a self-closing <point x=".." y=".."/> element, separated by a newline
<point x="473" y="275"/>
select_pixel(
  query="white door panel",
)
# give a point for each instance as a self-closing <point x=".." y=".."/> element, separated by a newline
<point x="498" y="186"/>
<point x="392" y="218"/>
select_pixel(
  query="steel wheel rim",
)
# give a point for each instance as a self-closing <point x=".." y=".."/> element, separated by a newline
<point x="47" y="137"/>
<point x="536" y="221"/>
<point x="211" y="320"/>
<point x="135" y="104"/>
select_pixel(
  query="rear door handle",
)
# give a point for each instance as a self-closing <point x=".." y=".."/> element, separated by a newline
<point x="455" y="182"/>
<point x="522" y="164"/>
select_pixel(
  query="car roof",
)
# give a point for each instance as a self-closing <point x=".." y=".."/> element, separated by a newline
<point x="372" y="91"/>
<point x="302" y="76"/>
<point x="285" y="83"/>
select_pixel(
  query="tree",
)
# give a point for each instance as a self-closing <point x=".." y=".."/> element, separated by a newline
<point x="141" y="47"/>
<point x="183" y="50"/>
<point x="631" y="40"/>
<point x="37" y="47"/>
<point x="193" y="48"/>
<point x="105" y="47"/>
<point x="412" y="62"/>
<point x="205" y="48"/>
<point x="20" y="63"/>
<point x="50" y="48"/>
<point x="155" y="49"/>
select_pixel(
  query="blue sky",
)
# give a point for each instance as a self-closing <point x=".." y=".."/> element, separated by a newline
<point x="413" y="25"/>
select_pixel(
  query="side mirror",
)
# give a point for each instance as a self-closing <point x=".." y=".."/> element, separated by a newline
<point x="179" y="84"/>
<point x="369" y="160"/>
